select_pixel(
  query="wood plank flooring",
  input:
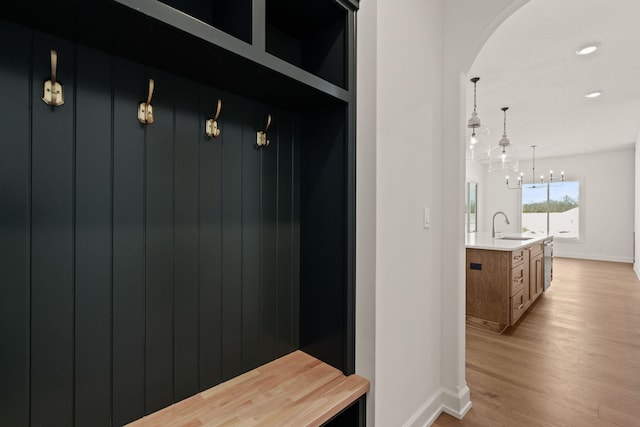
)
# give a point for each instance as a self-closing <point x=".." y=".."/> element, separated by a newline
<point x="572" y="360"/>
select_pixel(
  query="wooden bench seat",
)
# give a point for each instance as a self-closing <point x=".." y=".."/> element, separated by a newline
<point x="294" y="390"/>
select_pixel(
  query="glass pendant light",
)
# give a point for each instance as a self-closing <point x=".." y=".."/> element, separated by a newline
<point x="503" y="157"/>
<point x="477" y="136"/>
<point x="478" y="145"/>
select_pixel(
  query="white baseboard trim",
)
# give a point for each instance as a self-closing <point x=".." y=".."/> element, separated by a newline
<point x="594" y="257"/>
<point x="635" y="268"/>
<point x="454" y="404"/>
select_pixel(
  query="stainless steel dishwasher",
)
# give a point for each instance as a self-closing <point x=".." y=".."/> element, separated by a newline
<point x="548" y="262"/>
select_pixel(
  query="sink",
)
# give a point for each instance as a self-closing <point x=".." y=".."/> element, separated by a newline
<point x="514" y="238"/>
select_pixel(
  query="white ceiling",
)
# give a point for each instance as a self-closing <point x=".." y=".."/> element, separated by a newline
<point x="529" y="64"/>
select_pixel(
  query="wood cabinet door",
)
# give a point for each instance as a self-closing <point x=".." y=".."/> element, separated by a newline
<point x="539" y="274"/>
<point x="536" y="276"/>
<point x="527" y="293"/>
<point x="517" y="307"/>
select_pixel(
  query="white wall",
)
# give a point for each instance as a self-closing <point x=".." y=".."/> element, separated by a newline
<point x="408" y="281"/>
<point x="637" y="203"/>
<point x="366" y="137"/>
<point x="412" y="56"/>
<point x="608" y="205"/>
<point x="475" y="172"/>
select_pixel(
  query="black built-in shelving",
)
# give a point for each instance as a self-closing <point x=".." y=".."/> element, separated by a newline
<point x="144" y="263"/>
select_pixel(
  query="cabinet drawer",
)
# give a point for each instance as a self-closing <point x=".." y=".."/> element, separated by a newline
<point x="517" y="279"/>
<point x="535" y="249"/>
<point x="517" y="257"/>
<point x="517" y="307"/>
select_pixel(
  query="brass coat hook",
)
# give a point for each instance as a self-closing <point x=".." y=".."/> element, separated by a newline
<point x="211" y="126"/>
<point x="53" y="92"/>
<point x="261" y="137"/>
<point x="145" y="109"/>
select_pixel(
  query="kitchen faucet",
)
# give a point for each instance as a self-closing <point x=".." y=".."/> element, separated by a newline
<point x="493" y="230"/>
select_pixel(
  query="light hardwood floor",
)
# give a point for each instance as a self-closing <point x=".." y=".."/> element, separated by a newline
<point x="572" y="360"/>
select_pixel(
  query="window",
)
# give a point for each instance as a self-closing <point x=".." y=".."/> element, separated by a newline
<point x="471" y="205"/>
<point x="552" y="209"/>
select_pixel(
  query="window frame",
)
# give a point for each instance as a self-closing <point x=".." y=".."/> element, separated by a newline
<point x="581" y="213"/>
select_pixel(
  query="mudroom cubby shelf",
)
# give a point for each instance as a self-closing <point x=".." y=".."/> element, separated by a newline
<point x="231" y="16"/>
<point x="249" y="59"/>
<point x="311" y="35"/>
<point x="146" y="262"/>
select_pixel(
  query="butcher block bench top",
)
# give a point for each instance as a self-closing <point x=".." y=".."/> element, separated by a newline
<point x="294" y="390"/>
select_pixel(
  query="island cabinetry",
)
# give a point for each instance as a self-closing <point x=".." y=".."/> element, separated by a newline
<point x="536" y="272"/>
<point x="489" y="290"/>
<point x="517" y="257"/>
<point x="519" y="280"/>
<point x="502" y="285"/>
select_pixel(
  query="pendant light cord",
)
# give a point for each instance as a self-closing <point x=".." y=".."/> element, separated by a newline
<point x="533" y="177"/>
<point x="475" y="81"/>
<point x="504" y="132"/>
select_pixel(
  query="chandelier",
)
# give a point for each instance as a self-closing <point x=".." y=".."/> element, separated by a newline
<point x="534" y="182"/>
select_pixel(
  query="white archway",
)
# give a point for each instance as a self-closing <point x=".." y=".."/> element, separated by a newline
<point x="467" y="29"/>
<point x="413" y="56"/>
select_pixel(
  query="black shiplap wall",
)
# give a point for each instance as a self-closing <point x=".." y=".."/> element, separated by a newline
<point x="323" y="267"/>
<point x="92" y="302"/>
<point x="139" y="264"/>
<point x="52" y="244"/>
<point x="15" y="219"/>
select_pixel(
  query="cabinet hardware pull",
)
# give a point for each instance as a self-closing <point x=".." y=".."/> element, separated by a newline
<point x="145" y="109"/>
<point x="261" y="137"/>
<point x="53" y="92"/>
<point x="211" y="127"/>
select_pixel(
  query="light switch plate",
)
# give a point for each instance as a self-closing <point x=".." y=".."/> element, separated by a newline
<point x="427" y="218"/>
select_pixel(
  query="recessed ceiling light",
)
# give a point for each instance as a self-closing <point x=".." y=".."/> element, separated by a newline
<point x="588" y="49"/>
<point x="594" y="94"/>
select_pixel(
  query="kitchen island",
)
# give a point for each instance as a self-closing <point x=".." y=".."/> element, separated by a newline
<point x="504" y="277"/>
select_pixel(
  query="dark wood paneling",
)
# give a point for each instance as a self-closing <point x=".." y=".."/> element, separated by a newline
<point x="323" y="239"/>
<point x="163" y="262"/>
<point x="159" y="245"/>
<point x="284" y="283"/>
<point x="232" y="239"/>
<point x="187" y="137"/>
<point x="269" y="240"/>
<point x="128" y="244"/>
<point x="210" y="239"/>
<point x="15" y="169"/>
<point x="93" y="239"/>
<point x="295" y="230"/>
<point x="52" y="254"/>
<point x="251" y="261"/>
